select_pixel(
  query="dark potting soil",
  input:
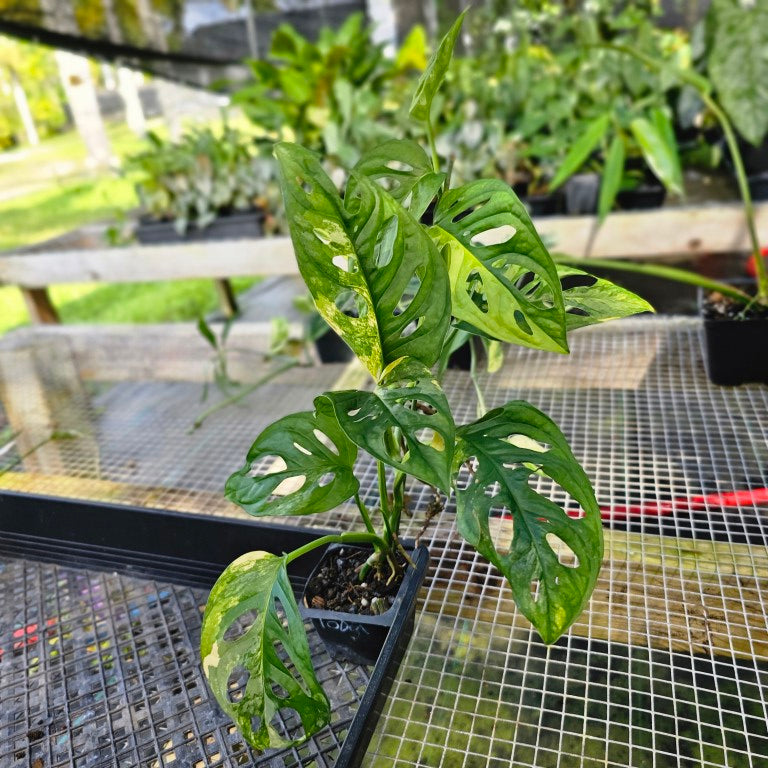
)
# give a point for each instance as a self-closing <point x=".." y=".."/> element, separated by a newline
<point x="337" y="585"/>
<point x="719" y="307"/>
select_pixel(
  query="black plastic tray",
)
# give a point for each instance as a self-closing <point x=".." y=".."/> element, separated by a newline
<point x="142" y="546"/>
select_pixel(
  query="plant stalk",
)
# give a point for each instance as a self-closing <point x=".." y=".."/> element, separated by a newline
<point x="364" y="513"/>
<point x="432" y="145"/>
<point x="482" y="408"/>
<point x="245" y="392"/>
<point x="339" y="538"/>
<point x="384" y="499"/>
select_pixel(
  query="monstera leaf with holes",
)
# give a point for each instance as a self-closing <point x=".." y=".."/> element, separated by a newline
<point x="402" y="167"/>
<point x="505" y="449"/>
<point x="589" y="299"/>
<point x="366" y="249"/>
<point x="494" y="255"/>
<point x="405" y="422"/>
<point x="256" y="656"/>
<point x="309" y="452"/>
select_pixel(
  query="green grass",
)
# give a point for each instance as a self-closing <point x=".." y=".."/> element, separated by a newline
<point x="62" y="207"/>
<point x="163" y="302"/>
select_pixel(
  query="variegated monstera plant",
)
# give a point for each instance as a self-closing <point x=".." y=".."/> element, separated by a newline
<point x="479" y="268"/>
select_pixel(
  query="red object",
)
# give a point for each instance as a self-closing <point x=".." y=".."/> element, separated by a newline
<point x="752" y="264"/>
<point x="691" y="503"/>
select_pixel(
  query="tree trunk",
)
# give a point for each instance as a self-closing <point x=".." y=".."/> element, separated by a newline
<point x="81" y="96"/>
<point x="22" y="105"/>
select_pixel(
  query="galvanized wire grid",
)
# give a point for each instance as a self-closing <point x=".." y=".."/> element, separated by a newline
<point x="669" y="665"/>
<point x="100" y="670"/>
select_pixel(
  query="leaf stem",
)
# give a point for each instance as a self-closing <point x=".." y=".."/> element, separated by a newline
<point x="432" y="144"/>
<point x="482" y="408"/>
<point x="268" y="376"/>
<point x="384" y="499"/>
<point x="339" y="538"/>
<point x="364" y="513"/>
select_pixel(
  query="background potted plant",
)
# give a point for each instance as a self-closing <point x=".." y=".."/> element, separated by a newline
<point x="208" y="185"/>
<point x="413" y="285"/>
<point x="735" y="315"/>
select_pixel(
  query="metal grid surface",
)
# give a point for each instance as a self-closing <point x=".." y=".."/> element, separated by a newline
<point x="669" y="664"/>
<point x="99" y="670"/>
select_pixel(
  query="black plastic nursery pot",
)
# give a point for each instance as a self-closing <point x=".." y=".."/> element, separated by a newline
<point x="332" y="349"/>
<point x="735" y="350"/>
<point x="758" y="186"/>
<point x="100" y="615"/>
<point x="357" y="638"/>
<point x="642" y="198"/>
<point x="231" y="226"/>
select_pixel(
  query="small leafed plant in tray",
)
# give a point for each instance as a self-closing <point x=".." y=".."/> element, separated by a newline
<point x="479" y="267"/>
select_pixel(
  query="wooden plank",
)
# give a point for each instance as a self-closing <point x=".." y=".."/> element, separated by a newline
<point x="44" y="400"/>
<point x="716" y="228"/>
<point x="159" y="352"/>
<point x="688" y="231"/>
<point x="667" y="593"/>
<point x="138" y="263"/>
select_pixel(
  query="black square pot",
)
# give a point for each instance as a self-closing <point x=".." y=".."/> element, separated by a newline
<point x="232" y="226"/>
<point x="735" y="351"/>
<point x="357" y="638"/>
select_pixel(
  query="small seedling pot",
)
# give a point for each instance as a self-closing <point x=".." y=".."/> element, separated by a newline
<point x="734" y="350"/>
<point x="359" y="639"/>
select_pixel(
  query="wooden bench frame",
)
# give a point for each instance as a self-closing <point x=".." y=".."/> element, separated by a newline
<point x="660" y="233"/>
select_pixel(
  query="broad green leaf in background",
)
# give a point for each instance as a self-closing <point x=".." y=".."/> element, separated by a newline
<point x="407" y="403"/>
<point x="412" y="54"/>
<point x="256" y="656"/>
<point x="430" y="81"/>
<point x="659" y="153"/>
<point x="402" y="167"/>
<point x="613" y="172"/>
<point x="493" y="251"/>
<point x="582" y="148"/>
<point x="738" y="63"/>
<point x="367" y="251"/>
<point x="325" y="252"/>
<point x="553" y="560"/>
<point x="307" y="451"/>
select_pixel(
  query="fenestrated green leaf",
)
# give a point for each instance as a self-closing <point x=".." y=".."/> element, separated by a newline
<point x="325" y="252"/>
<point x="370" y="251"/>
<point x="613" y="171"/>
<point x="660" y="155"/>
<point x="402" y="167"/>
<point x="307" y="451"/>
<point x="255" y="653"/>
<point x="738" y="63"/>
<point x="589" y="299"/>
<point x="432" y="77"/>
<point x="407" y="403"/>
<point x="492" y="251"/>
<point x="406" y="276"/>
<point x="582" y="148"/>
<point x="507" y="446"/>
